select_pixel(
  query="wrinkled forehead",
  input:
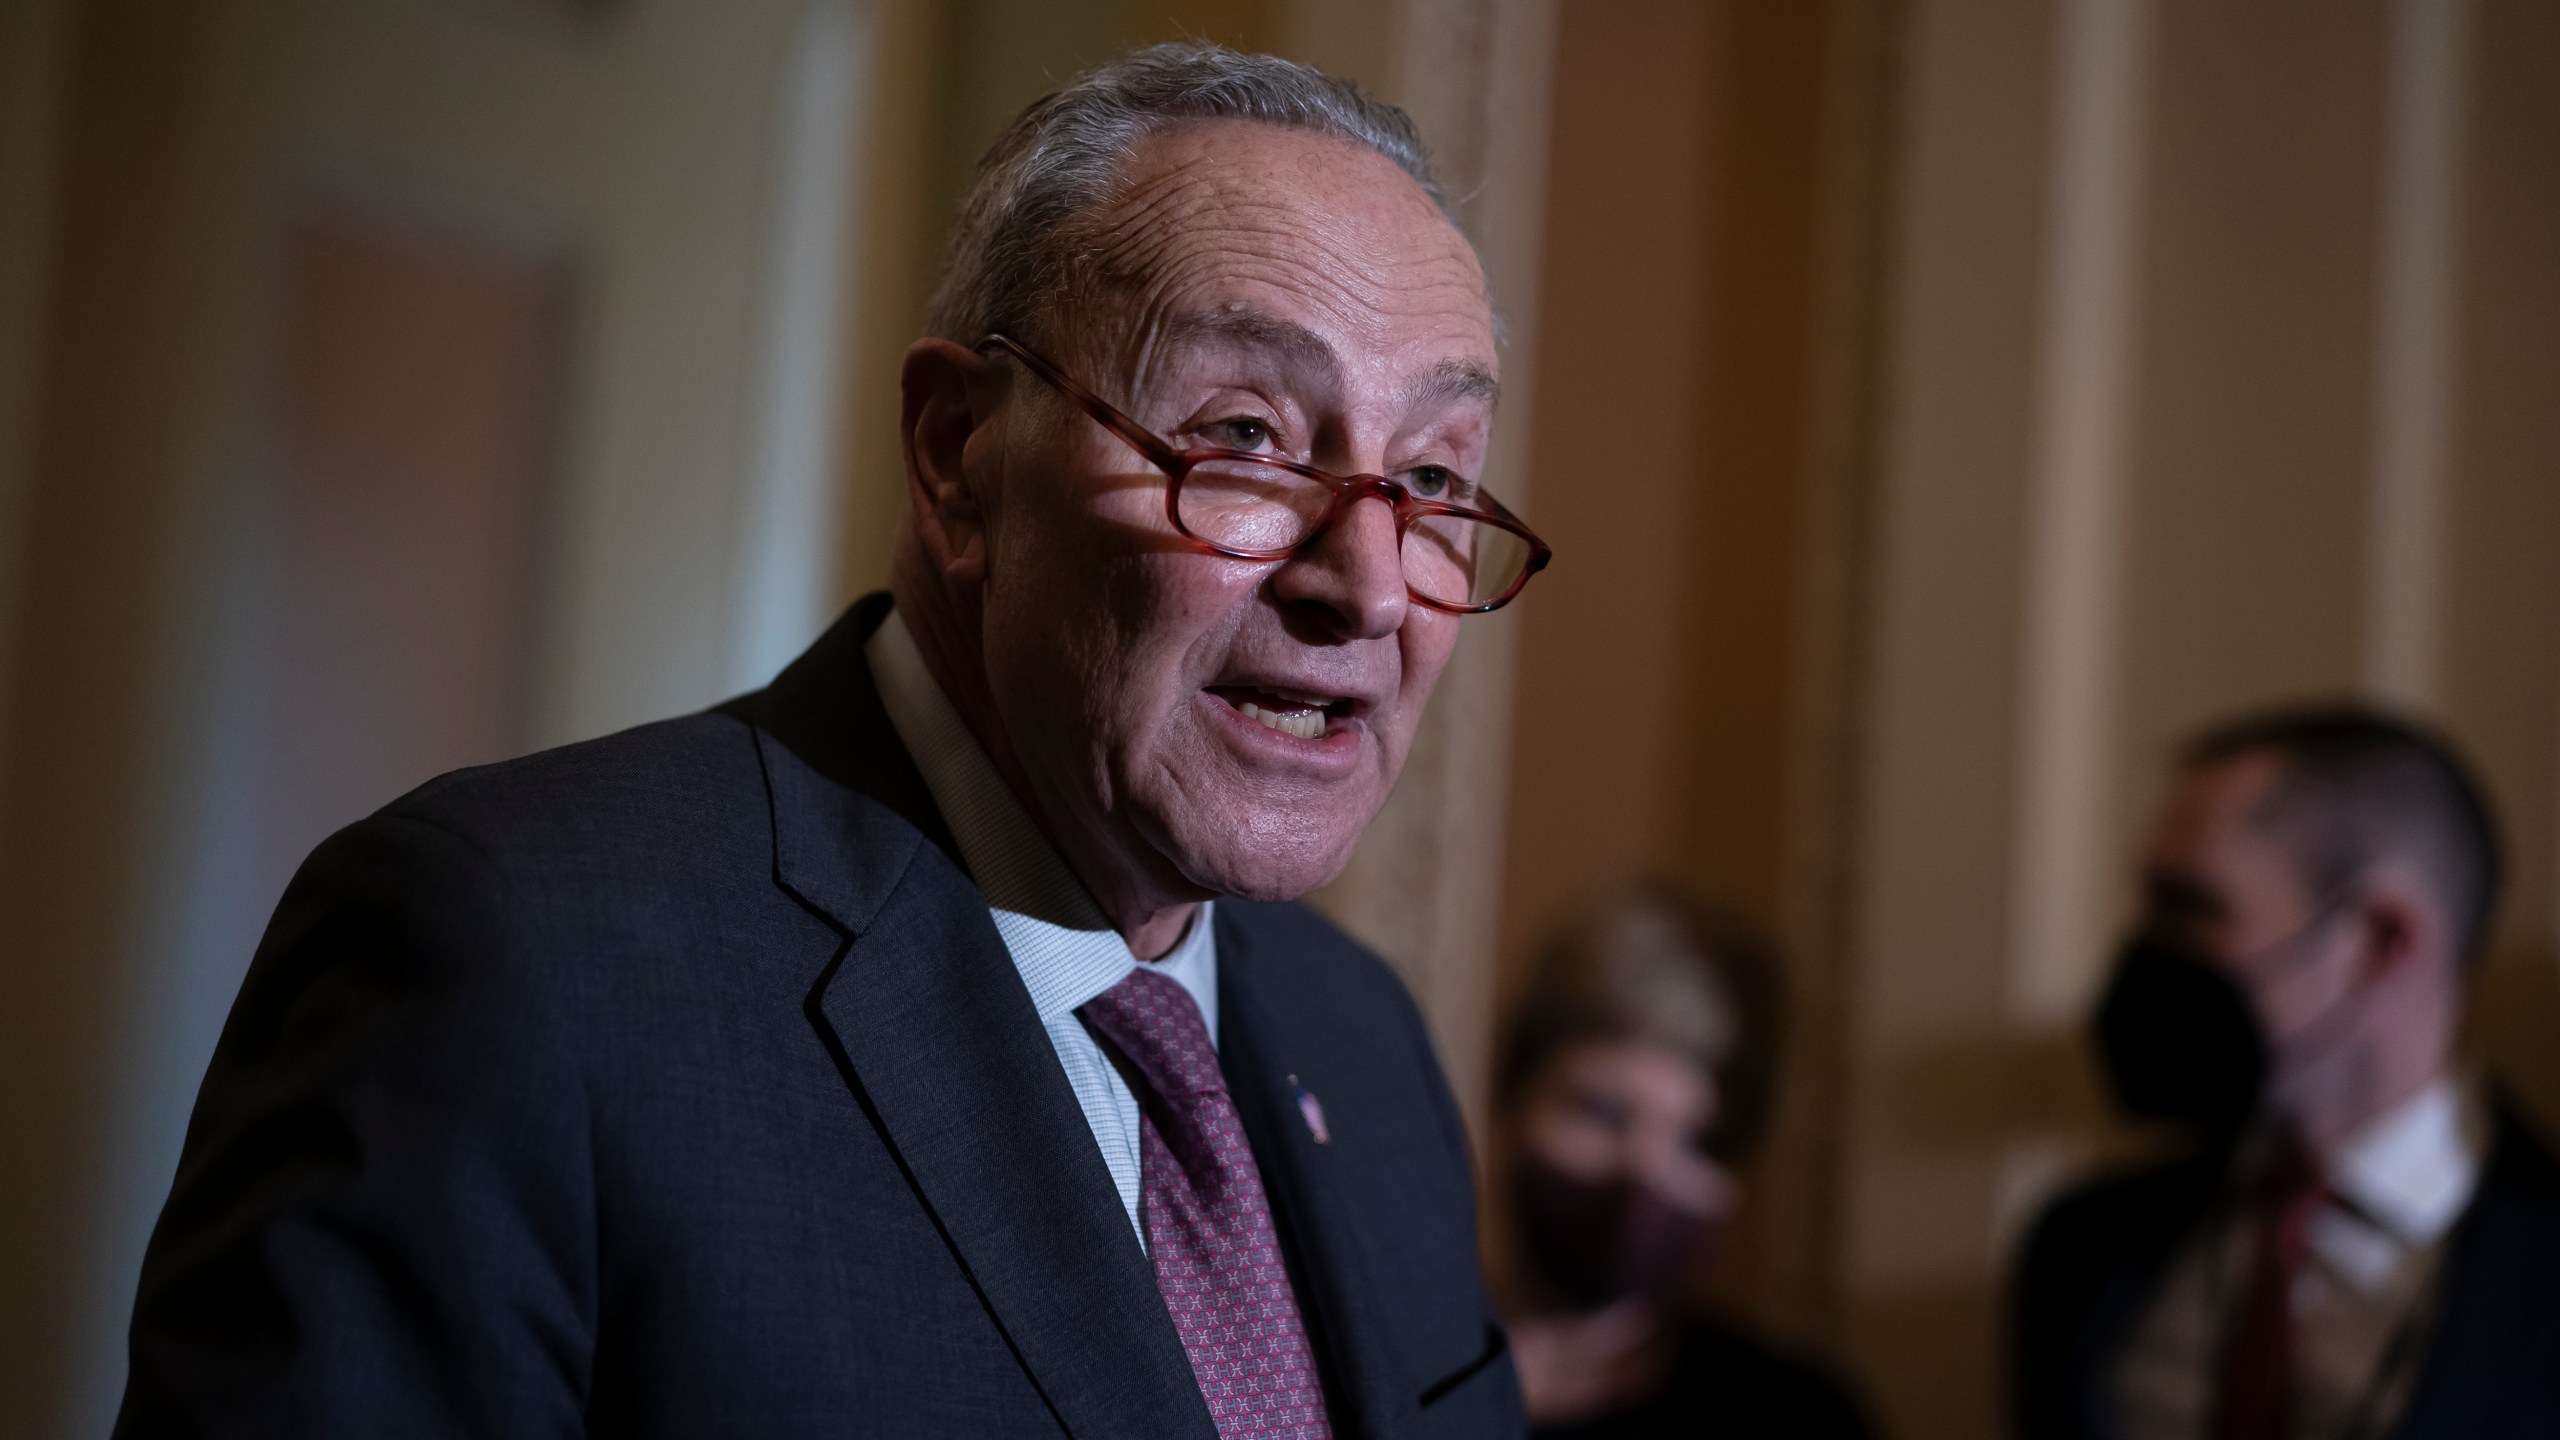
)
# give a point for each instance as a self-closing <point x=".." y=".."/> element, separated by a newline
<point x="1302" y="248"/>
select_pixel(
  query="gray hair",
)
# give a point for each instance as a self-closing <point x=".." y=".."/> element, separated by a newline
<point x="1013" y="256"/>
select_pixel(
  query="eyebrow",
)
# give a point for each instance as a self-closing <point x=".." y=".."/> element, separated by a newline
<point x="1292" y="345"/>
<point x="1455" y="379"/>
<point x="1295" y="347"/>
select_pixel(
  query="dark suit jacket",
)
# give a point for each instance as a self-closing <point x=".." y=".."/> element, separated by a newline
<point x="678" y="1084"/>
<point x="1726" y="1383"/>
<point x="2098" y="1254"/>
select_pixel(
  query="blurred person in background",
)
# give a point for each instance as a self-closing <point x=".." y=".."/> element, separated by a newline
<point x="2357" y="1242"/>
<point x="928" y="1044"/>
<point x="1633" y="1077"/>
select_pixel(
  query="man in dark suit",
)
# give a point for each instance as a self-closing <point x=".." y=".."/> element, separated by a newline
<point x="928" y="1045"/>
<point x="2357" y="1243"/>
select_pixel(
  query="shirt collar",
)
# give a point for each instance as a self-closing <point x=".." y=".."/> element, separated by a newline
<point x="2412" y="1171"/>
<point x="1062" y="944"/>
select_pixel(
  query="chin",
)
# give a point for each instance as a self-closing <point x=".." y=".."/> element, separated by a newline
<point x="1270" y="855"/>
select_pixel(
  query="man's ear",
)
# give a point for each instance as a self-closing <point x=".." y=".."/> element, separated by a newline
<point x="2405" y="929"/>
<point x="946" y="395"/>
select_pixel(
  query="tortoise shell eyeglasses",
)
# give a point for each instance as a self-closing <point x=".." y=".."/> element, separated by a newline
<point x="1461" y="559"/>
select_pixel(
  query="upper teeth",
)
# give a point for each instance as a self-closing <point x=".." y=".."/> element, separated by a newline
<point x="1305" y="724"/>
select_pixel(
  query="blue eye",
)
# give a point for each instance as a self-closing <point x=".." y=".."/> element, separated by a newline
<point x="1430" y="482"/>
<point x="1242" y="433"/>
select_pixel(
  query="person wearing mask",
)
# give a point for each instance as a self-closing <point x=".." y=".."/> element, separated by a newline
<point x="1634" y="1076"/>
<point x="2356" y="1242"/>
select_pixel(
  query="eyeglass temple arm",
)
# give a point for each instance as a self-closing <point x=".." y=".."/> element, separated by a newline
<point x="1145" y="441"/>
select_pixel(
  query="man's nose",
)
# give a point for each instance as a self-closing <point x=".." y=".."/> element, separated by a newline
<point x="1350" y="576"/>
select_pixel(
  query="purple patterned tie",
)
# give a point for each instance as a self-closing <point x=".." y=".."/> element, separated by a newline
<point x="1208" y="1221"/>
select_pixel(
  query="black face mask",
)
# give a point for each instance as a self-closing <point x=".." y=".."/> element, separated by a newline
<point x="2179" y="1039"/>
<point x="1591" y="1246"/>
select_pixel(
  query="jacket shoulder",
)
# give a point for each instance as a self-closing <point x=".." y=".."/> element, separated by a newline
<point x="659" y="783"/>
<point x="658" y="831"/>
<point x="2488" y="1374"/>
<point x="2115" y="1209"/>
<point x="2520" y="1159"/>
<point x="2094" y="1251"/>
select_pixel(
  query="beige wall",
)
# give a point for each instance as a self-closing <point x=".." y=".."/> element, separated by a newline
<point x="2130" y="425"/>
<point x="640" y="149"/>
<point x="2501" y="582"/>
<point x="1680" y="664"/>
<point x="1936" y="405"/>
<point x="34" y="42"/>
<point x="2157" y="284"/>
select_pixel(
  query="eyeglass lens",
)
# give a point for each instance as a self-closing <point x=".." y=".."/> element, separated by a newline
<point x="1238" y="505"/>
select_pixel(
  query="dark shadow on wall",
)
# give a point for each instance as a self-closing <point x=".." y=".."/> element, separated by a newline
<point x="1923" y="1347"/>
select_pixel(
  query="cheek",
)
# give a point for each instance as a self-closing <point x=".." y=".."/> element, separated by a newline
<point x="1181" y="602"/>
<point x="1425" y="645"/>
<point x="2304" y="995"/>
<point x="1695" y="1183"/>
<point x="1091" y="595"/>
<point x="1173" y="614"/>
<point x="1574" y="1143"/>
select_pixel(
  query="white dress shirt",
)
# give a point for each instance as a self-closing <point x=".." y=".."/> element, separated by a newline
<point x="1064" y="949"/>
<point x="2401" y="1182"/>
<point x="2360" y="1307"/>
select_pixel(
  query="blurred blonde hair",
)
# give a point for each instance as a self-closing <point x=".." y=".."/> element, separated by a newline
<point x="1654" y="965"/>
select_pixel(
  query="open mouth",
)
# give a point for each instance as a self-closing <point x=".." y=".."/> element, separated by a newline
<point x="1291" y="712"/>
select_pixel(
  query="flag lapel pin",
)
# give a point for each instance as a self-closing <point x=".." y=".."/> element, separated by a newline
<point x="1313" y="1111"/>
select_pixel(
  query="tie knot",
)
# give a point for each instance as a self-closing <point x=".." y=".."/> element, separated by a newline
<point x="1153" y="1021"/>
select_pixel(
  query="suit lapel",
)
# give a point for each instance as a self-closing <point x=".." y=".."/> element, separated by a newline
<point x="928" y="1022"/>
<point x="1346" y="1325"/>
<point x="1264" y="1040"/>
<point x="939" y="1039"/>
<point x="2186" y="1192"/>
